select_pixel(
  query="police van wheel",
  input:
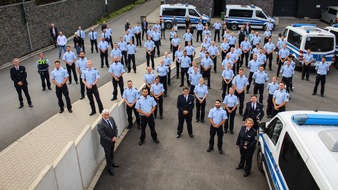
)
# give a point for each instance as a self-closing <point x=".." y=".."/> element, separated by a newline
<point x="260" y="159"/>
<point x="233" y="26"/>
<point x="168" y="25"/>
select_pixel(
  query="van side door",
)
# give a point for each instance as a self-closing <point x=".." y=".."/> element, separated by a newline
<point x="194" y="16"/>
<point x="260" y="18"/>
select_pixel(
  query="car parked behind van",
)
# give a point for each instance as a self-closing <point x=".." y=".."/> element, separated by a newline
<point x="330" y="15"/>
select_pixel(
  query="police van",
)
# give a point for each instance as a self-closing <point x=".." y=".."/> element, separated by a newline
<point x="301" y="37"/>
<point x="237" y="16"/>
<point x="299" y="150"/>
<point x="181" y="11"/>
<point x="334" y="30"/>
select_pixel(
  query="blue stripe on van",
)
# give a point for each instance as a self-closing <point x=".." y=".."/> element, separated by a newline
<point x="275" y="174"/>
<point x="241" y="20"/>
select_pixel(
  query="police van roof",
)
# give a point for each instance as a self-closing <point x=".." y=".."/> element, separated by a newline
<point x="243" y="7"/>
<point x="317" y="133"/>
<point x="333" y="27"/>
<point x="178" y="5"/>
<point x="309" y="29"/>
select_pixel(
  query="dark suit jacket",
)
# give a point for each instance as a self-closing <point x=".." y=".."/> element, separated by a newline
<point x="182" y="105"/>
<point x="56" y="32"/>
<point x="144" y="25"/>
<point x="248" y="138"/>
<point x="106" y="132"/>
<point x="254" y="114"/>
<point x="19" y="75"/>
<point x="126" y="26"/>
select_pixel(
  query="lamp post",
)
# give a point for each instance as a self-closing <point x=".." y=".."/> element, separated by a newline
<point x="106" y="6"/>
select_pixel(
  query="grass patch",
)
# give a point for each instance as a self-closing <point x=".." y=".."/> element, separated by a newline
<point x="119" y="12"/>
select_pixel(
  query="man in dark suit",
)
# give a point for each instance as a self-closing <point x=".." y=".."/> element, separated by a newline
<point x="185" y="106"/>
<point x="126" y="25"/>
<point x="144" y="28"/>
<point x="254" y="110"/>
<point x="19" y="77"/>
<point x="54" y="33"/>
<point x="108" y="136"/>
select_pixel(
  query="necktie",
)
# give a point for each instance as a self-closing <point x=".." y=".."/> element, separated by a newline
<point x="246" y="130"/>
<point x="186" y="98"/>
<point x="109" y="123"/>
<point x="17" y="68"/>
<point x="92" y="35"/>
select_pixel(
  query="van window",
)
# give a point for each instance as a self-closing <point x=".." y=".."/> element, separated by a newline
<point x="319" y="44"/>
<point x="274" y="130"/>
<point x="336" y="34"/>
<point x="192" y="12"/>
<point x="333" y="11"/>
<point x="240" y="13"/>
<point x="295" y="172"/>
<point x="294" y="38"/>
<point x="173" y="12"/>
<point x="260" y="14"/>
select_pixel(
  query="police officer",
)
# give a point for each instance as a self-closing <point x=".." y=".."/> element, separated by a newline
<point x="172" y="34"/>
<point x="162" y="72"/>
<point x="260" y="78"/>
<point x="82" y="35"/>
<point x="225" y="62"/>
<point x="217" y="117"/>
<point x="174" y="43"/>
<point x="157" y="91"/>
<point x="131" y="51"/>
<point x="130" y="96"/>
<point x="185" y="106"/>
<point x="127" y="37"/>
<point x="123" y="47"/>
<point x="245" y="47"/>
<point x="269" y="49"/>
<point x="267" y="35"/>
<point x="93" y="39"/>
<point x="149" y="78"/>
<point x="116" y="52"/>
<point x="201" y="93"/>
<point x="272" y="87"/>
<point x="227" y="76"/>
<point x="213" y="52"/>
<point x="59" y="77"/>
<point x="144" y="28"/>
<point x="261" y="57"/>
<point x="217" y="26"/>
<point x="234" y="57"/>
<point x="187" y="37"/>
<point x="253" y="65"/>
<point x="322" y="69"/>
<point x="287" y="71"/>
<point x="238" y="52"/>
<point x="280" y="99"/>
<point x="307" y="60"/>
<point x="103" y="47"/>
<point x="206" y="64"/>
<point x="185" y="61"/>
<point x="283" y="55"/>
<point x="225" y="48"/>
<point x="191" y="52"/>
<point x="138" y="30"/>
<point x="150" y="52"/>
<point x="90" y="78"/>
<point x="256" y="40"/>
<point x="239" y="83"/>
<point x="19" y="77"/>
<point x="199" y="28"/>
<point x="232" y="40"/>
<point x="117" y="70"/>
<point x="145" y="106"/>
<point x="81" y="65"/>
<point x="167" y="62"/>
<point x="43" y="65"/>
<point x="194" y="79"/>
<point x="246" y="142"/>
<point x="69" y="58"/>
<point x="230" y="105"/>
<point x="156" y="36"/>
<point x="178" y="55"/>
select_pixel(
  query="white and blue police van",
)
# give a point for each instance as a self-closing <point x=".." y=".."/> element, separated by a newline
<point x="237" y="16"/>
<point x="299" y="150"/>
<point x="181" y="11"/>
<point x="334" y="30"/>
<point x="301" y="37"/>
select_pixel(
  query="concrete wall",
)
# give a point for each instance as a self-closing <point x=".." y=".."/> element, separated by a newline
<point x="14" y="36"/>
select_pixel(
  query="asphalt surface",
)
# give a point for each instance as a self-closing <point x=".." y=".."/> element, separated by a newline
<point x="174" y="163"/>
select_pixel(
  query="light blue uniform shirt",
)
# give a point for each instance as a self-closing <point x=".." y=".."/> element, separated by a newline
<point x="226" y="61"/>
<point x="230" y="100"/>
<point x="260" y="77"/>
<point x="109" y="31"/>
<point x="253" y="65"/>
<point x="175" y="41"/>
<point x="205" y="32"/>
<point x="267" y="33"/>
<point x="195" y="78"/>
<point x="233" y="56"/>
<point x="131" y="32"/>
<point x="156" y="36"/>
<point x="190" y="50"/>
<point x="93" y="35"/>
<point x="137" y="29"/>
<point x="227" y="36"/>
<point x="131" y="49"/>
<point x="150" y="33"/>
<point x="228" y="74"/>
<point x="122" y="45"/>
<point x="172" y="34"/>
<point x="116" y="68"/>
<point x="281" y="96"/>
<point x="149" y="77"/>
<point x="201" y="55"/>
<point x="59" y="75"/>
<point x="167" y="61"/>
<point x="185" y="61"/>
<point x="255" y="51"/>
<point x="261" y="58"/>
<point x="199" y="27"/>
<point x="127" y="38"/>
<point x="191" y="70"/>
<point x="116" y="52"/>
<point x="105" y="35"/>
<point x="238" y="51"/>
<point x="69" y="56"/>
<point x="280" y="43"/>
<point x="207" y="62"/>
<point x="287" y="71"/>
<point x="225" y="46"/>
<point x="103" y="45"/>
<point x="322" y="68"/>
<point x="145" y="103"/>
<point x="272" y="87"/>
<point x="245" y="45"/>
<point x="269" y="47"/>
<point x="283" y="53"/>
<point x="213" y="50"/>
<point x="232" y="40"/>
<point x="157" y="88"/>
<point x="187" y="37"/>
<point x="256" y="40"/>
<point x="162" y="70"/>
<point x="82" y="64"/>
<point x="201" y="91"/>
<point x="217" y="115"/>
<point x="81" y="33"/>
<point x="217" y="25"/>
<point x="179" y="54"/>
<point x="307" y="57"/>
<point x="240" y="82"/>
<point x="130" y="94"/>
<point x="149" y="45"/>
<point x="90" y="75"/>
<point x="205" y="45"/>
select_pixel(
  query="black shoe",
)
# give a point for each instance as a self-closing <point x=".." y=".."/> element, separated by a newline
<point x="202" y="121"/>
<point x="70" y="111"/>
<point x="302" y="78"/>
<point x="21" y="106"/>
<point x="209" y="87"/>
<point x="31" y="105"/>
<point x="92" y="113"/>
<point x="231" y="132"/>
<point x="220" y="151"/>
<point x="155" y="117"/>
<point x="49" y="88"/>
<point x="107" y="65"/>
<point x="307" y="79"/>
<point x="153" y="68"/>
<point x="197" y="120"/>
<point x="225" y="131"/>
<point x="101" y="66"/>
<point x="178" y="135"/>
<point x="43" y="89"/>
<point x="191" y="135"/>
<point x="209" y="149"/>
<point x="114" y="98"/>
<point x="168" y="84"/>
<point x="134" y="71"/>
<point x="239" y="167"/>
<point x="139" y="127"/>
<point x="313" y="94"/>
<point x="165" y="95"/>
<point x="161" y="117"/>
<point x="157" y="141"/>
<point x="82" y="97"/>
<point x="70" y="83"/>
<point x="320" y="95"/>
<point x="247" y="92"/>
<point x="61" y="111"/>
<point x="115" y="165"/>
<point x="111" y="172"/>
<point x="181" y="85"/>
<point x="76" y="82"/>
<point x="128" y="71"/>
<point x="246" y="174"/>
<point x="141" y="142"/>
<point x="269" y="116"/>
<point x="129" y="126"/>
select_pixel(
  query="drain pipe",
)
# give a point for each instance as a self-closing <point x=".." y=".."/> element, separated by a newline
<point x="27" y="24"/>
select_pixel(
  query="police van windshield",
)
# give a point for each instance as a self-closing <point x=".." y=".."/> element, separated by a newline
<point x="192" y="12"/>
<point x="198" y="12"/>
<point x="319" y="44"/>
<point x="260" y="14"/>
